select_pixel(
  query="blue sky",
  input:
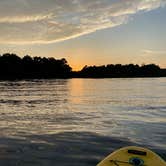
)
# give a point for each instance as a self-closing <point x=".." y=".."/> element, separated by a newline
<point x="86" y="32"/>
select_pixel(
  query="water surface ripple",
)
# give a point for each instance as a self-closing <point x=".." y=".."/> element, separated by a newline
<point x="132" y="108"/>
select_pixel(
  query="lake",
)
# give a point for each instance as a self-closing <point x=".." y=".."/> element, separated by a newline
<point x="46" y="121"/>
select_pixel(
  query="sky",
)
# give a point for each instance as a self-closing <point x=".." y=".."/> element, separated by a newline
<point x="86" y="32"/>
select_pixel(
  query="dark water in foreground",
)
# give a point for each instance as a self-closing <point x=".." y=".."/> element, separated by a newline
<point x="79" y="121"/>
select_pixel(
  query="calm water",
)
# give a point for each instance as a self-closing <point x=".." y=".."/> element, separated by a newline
<point x="132" y="109"/>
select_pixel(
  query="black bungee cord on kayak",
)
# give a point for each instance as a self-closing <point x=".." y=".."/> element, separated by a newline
<point x="117" y="161"/>
<point x="133" y="161"/>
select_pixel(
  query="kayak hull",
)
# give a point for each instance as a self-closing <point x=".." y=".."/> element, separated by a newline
<point x="133" y="155"/>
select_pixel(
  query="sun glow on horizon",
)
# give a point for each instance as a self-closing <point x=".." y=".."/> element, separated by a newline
<point x="86" y="32"/>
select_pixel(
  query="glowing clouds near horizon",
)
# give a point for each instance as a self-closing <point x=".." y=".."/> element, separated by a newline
<point x="41" y="21"/>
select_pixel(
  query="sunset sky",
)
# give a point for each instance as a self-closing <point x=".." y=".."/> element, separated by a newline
<point x="86" y="32"/>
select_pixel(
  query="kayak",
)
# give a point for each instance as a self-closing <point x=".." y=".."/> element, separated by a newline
<point x="133" y="156"/>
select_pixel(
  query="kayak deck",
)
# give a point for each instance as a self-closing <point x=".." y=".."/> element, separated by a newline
<point x="134" y="156"/>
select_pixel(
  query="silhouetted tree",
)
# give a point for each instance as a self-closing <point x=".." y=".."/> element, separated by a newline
<point x="14" y="67"/>
<point x="118" y="70"/>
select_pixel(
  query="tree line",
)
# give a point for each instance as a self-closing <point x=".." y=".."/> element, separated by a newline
<point x="27" y="67"/>
<point x="15" y="67"/>
<point x="118" y="70"/>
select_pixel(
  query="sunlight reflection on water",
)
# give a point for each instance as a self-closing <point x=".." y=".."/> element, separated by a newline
<point x="127" y="108"/>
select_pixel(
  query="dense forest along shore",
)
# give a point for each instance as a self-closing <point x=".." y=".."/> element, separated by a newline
<point x="27" y="67"/>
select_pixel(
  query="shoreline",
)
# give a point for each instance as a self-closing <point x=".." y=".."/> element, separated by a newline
<point x="27" y="79"/>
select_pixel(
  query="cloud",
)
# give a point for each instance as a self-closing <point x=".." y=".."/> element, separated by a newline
<point x="41" y="21"/>
<point x="24" y="19"/>
<point x="153" y="52"/>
